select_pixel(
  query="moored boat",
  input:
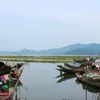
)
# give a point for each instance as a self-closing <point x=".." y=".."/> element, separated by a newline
<point x="8" y="93"/>
<point x="59" y="66"/>
<point x="71" y="70"/>
<point x="72" y="65"/>
<point x="87" y="60"/>
<point x="80" y="60"/>
<point x="75" y="65"/>
<point x="92" y="78"/>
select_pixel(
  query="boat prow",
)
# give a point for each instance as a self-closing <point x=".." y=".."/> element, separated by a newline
<point x="8" y="95"/>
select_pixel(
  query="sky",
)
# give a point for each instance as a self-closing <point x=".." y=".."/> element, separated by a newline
<point x="46" y="24"/>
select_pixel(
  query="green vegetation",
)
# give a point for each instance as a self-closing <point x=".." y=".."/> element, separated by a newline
<point x="45" y="59"/>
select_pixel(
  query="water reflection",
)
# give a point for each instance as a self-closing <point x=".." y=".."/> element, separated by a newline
<point x="88" y="87"/>
<point x="17" y="95"/>
<point x="64" y="77"/>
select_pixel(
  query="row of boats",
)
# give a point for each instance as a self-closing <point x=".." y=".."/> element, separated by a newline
<point x="9" y="79"/>
<point x="87" y="72"/>
<point x="66" y="76"/>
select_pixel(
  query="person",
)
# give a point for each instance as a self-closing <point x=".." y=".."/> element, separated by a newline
<point x="78" y="75"/>
<point x="3" y="84"/>
<point x="88" y="59"/>
<point x="3" y="79"/>
<point x="98" y="67"/>
<point x="13" y="74"/>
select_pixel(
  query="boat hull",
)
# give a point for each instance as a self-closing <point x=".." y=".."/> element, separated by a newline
<point x="11" y="94"/>
<point x="72" y="71"/>
<point x="91" y="83"/>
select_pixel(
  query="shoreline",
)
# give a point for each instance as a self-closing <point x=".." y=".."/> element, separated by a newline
<point x="44" y="59"/>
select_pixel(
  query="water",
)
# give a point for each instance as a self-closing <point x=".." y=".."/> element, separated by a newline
<point x="41" y="81"/>
<point x="8" y="54"/>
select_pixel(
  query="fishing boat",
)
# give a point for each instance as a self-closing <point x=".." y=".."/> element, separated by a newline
<point x="6" y="69"/>
<point x="59" y="66"/>
<point x="91" y="78"/>
<point x="75" y="65"/>
<point x="72" y="65"/>
<point x="80" y="60"/>
<point x="71" y="70"/>
<point x="86" y="60"/>
<point x="18" y="65"/>
<point x="9" y="93"/>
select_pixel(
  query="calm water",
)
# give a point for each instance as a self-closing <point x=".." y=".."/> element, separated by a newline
<point x="41" y="81"/>
<point x="7" y="54"/>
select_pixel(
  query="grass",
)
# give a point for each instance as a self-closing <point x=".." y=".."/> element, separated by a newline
<point x="44" y="59"/>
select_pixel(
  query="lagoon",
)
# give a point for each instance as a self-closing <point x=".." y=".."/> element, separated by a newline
<point x="41" y="81"/>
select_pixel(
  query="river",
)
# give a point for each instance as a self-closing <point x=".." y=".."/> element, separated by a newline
<point x="41" y="81"/>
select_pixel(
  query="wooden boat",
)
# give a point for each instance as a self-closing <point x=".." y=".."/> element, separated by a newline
<point x="9" y="95"/>
<point x="71" y="70"/>
<point x="59" y="66"/>
<point x="80" y="60"/>
<point x="18" y="65"/>
<point x="90" y="81"/>
<point x="84" y="61"/>
<point x="6" y="69"/>
<point x="73" y="66"/>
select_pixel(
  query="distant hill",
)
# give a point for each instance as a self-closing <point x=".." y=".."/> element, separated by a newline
<point x="90" y="49"/>
<point x="62" y="50"/>
<point x="74" y="49"/>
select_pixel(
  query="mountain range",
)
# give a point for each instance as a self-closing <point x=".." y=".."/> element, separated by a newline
<point x="74" y="49"/>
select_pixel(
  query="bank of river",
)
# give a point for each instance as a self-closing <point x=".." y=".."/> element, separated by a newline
<point x="45" y="59"/>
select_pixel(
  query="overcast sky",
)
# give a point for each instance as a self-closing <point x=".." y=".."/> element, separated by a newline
<point x="46" y="24"/>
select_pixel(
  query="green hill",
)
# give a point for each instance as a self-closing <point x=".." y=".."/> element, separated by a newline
<point x="90" y="49"/>
<point x="74" y="49"/>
